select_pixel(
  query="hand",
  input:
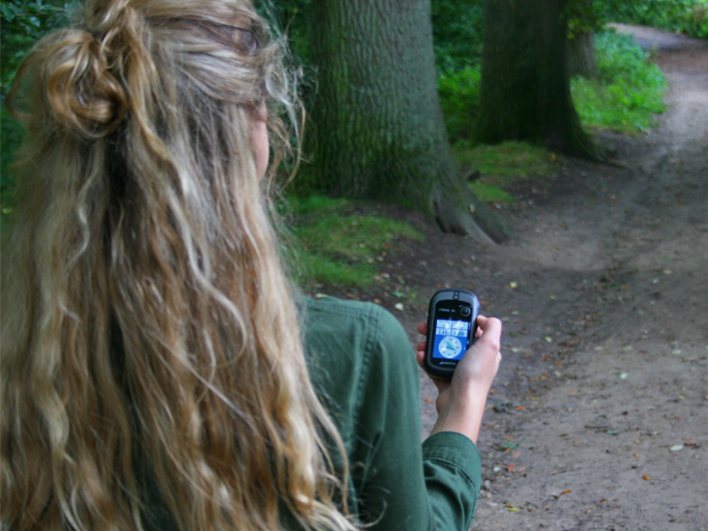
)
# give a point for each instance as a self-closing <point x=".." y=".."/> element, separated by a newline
<point x="460" y="403"/>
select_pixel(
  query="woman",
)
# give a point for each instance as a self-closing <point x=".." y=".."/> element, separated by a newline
<point x="153" y="368"/>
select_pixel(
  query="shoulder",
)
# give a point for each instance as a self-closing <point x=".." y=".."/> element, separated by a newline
<point x="331" y="311"/>
<point x="351" y="325"/>
<point x="355" y="350"/>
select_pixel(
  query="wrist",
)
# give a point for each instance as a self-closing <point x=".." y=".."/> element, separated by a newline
<point x="462" y="413"/>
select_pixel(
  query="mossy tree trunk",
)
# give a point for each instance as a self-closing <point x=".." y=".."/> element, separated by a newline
<point x="377" y="130"/>
<point x="525" y="88"/>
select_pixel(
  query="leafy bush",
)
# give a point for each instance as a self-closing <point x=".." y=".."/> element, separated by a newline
<point x="457" y="34"/>
<point x="628" y="91"/>
<point x="688" y="16"/>
<point x="23" y="23"/>
<point x="459" y="97"/>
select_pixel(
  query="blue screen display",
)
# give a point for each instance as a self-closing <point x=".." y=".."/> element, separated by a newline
<point x="450" y="339"/>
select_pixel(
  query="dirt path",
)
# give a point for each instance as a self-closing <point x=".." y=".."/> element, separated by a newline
<point x="599" y="417"/>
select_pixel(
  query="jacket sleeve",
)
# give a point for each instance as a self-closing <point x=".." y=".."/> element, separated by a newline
<point x="402" y="484"/>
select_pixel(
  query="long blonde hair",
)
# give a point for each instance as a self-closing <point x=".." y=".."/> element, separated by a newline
<point x="150" y="342"/>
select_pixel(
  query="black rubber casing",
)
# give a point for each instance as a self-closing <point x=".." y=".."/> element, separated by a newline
<point x="445" y="368"/>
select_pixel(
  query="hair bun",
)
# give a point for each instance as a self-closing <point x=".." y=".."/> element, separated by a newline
<point x="82" y="93"/>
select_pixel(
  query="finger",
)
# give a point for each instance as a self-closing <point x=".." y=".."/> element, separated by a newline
<point x="419" y="357"/>
<point x="491" y="332"/>
<point x="440" y="384"/>
<point x="489" y="324"/>
<point x="422" y="328"/>
<point x="421" y="346"/>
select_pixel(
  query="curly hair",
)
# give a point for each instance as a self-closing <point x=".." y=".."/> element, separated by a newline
<point x="150" y="340"/>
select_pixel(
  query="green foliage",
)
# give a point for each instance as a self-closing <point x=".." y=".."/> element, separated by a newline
<point x="687" y="16"/>
<point x="290" y="18"/>
<point x="586" y="16"/>
<point x="625" y="97"/>
<point x="335" y="241"/>
<point x="23" y="23"/>
<point x="459" y="97"/>
<point x="629" y="89"/>
<point x="457" y="34"/>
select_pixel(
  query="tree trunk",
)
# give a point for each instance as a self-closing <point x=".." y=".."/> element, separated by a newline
<point x="525" y="89"/>
<point x="378" y="128"/>
<point x="582" y="55"/>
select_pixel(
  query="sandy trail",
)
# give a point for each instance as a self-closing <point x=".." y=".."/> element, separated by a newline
<point x="606" y="426"/>
<point x="598" y="418"/>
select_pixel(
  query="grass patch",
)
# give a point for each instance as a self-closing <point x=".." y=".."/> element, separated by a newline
<point x="335" y="241"/>
<point x="501" y="164"/>
<point x="490" y="193"/>
<point x="629" y="89"/>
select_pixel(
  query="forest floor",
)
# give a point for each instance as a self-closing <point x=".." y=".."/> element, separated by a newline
<point x="598" y="418"/>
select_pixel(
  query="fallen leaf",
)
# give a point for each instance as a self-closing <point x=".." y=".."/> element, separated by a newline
<point x="521" y="407"/>
<point x="548" y="339"/>
<point x="429" y="400"/>
<point x="645" y="477"/>
<point x="511" y="467"/>
<point x="399" y="306"/>
<point x="676" y="448"/>
<point x="567" y="491"/>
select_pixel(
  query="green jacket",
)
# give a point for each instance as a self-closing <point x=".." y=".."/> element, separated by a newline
<point x="363" y="367"/>
<point x="364" y="370"/>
